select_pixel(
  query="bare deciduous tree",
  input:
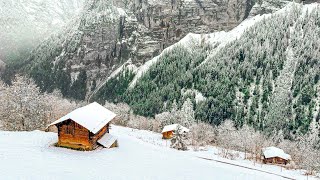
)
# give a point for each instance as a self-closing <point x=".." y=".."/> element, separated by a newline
<point x="202" y="134"/>
<point x="25" y="108"/>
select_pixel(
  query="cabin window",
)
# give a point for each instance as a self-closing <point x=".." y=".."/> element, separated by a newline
<point x="69" y="130"/>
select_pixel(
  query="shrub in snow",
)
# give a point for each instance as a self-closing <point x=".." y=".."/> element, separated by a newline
<point x="227" y="153"/>
<point x="123" y="112"/>
<point x="303" y="149"/>
<point x="308" y="156"/>
<point x="244" y="139"/>
<point x="179" y="140"/>
<point x="139" y="122"/>
<point x="165" y="118"/>
<point x="202" y="134"/>
<point x="125" y="117"/>
<point x="227" y="135"/>
<point x="251" y="142"/>
<point x="227" y="139"/>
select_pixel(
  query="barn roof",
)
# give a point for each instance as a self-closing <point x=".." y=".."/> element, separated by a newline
<point x="271" y="152"/>
<point x="92" y="116"/>
<point x="174" y="127"/>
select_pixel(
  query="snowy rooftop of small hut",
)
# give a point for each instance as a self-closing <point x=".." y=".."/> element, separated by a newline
<point x="271" y="152"/>
<point x="92" y="116"/>
<point x="174" y="127"/>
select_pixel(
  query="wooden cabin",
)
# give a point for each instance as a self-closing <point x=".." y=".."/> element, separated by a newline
<point x="275" y="155"/>
<point x="169" y="131"/>
<point x="275" y="160"/>
<point x="167" y="135"/>
<point x="86" y="128"/>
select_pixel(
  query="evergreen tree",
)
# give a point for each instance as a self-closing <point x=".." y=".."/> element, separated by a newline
<point x="179" y="141"/>
<point x="188" y="113"/>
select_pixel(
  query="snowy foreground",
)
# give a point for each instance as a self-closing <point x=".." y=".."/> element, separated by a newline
<point x="141" y="155"/>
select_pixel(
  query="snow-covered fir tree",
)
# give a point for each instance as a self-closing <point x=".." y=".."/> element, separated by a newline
<point x="188" y="113"/>
<point x="180" y="140"/>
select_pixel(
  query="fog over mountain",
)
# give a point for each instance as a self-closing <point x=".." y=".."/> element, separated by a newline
<point x="25" y="23"/>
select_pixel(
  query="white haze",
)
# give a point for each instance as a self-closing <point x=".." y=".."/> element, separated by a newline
<point x="25" y="23"/>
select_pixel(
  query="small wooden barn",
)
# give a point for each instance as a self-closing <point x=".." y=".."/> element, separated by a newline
<point x="169" y="131"/>
<point x="275" y="155"/>
<point x="85" y="128"/>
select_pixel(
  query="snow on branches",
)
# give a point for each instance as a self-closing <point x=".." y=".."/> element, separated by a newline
<point x="25" y="108"/>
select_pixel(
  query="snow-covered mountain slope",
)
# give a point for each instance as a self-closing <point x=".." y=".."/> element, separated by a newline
<point x="264" y="72"/>
<point x="25" y="23"/>
<point x="141" y="155"/>
<point x="143" y="31"/>
<point x="90" y="45"/>
<point x="217" y="40"/>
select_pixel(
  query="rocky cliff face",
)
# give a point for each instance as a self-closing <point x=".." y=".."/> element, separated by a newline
<point x="271" y="6"/>
<point x="267" y="6"/>
<point x="108" y="34"/>
<point x="163" y="23"/>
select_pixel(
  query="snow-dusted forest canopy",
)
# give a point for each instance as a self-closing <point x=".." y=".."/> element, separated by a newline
<point x="268" y="78"/>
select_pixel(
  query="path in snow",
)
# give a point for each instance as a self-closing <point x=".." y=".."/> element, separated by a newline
<point x="29" y="155"/>
<point x="254" y="169"/>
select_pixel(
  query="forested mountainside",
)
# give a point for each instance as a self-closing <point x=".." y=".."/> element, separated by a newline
<point x="140" y="30"/>
<point x="268" y="77"/>
<point x="88" y="47"/>
<point x="264" y="72"/>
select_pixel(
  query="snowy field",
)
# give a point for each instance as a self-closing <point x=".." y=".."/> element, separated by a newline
<point x="141" y="155"/>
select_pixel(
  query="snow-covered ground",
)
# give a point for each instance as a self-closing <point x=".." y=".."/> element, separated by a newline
<point x="141" y="155"/>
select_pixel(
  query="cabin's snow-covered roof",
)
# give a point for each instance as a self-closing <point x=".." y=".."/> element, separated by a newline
<point x="107" y="140"/>
<point x="174" y="127"/>
<point x="92" y="116"/>
<point x="271" y="152"/>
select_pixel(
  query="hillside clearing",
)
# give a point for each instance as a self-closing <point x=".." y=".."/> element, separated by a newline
<point x="141" y="155"/>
